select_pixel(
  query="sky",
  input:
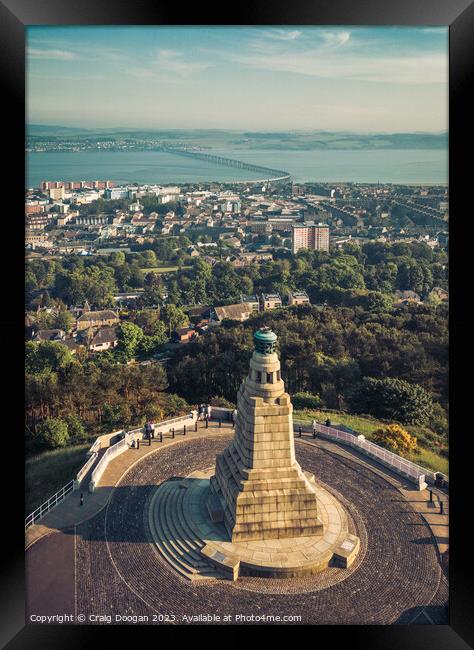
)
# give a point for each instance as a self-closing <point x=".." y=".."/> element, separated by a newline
<point x="340" y="78"/>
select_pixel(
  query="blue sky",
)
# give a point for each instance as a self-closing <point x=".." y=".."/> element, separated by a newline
<point x="369" y="79"/>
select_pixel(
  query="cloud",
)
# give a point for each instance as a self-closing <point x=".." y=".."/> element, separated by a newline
<point x="330" y="64"/>
<point x="59" y="55"/>
<point x="169" y="61"/>
<point x="282" y="35"/>
<point x="335" y="38"/>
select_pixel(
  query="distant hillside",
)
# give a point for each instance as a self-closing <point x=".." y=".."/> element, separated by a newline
<point x="245" y="140"/>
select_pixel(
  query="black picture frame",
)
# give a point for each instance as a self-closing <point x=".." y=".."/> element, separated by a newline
<point x="14" y="16"/>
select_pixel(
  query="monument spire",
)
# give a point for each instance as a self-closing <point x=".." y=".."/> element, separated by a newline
<point x="263" y="491"/>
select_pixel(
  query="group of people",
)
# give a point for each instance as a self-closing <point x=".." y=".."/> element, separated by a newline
<point x="204" y="412"/>
<point x="315" y="424"/>
<point x="149" y="431"/>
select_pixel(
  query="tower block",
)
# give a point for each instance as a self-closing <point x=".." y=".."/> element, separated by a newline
<point x="263" y="491"/>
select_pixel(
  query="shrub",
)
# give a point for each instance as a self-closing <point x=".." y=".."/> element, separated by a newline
<point x="439" y="420"/>
<point x="302" y="401"/>
<point x="392" y="399"/>
<point x="396" y="439"/>
<point x="173" y="405"/>
<point x="75" y="427"/>
<point x="53" y="432"/>
<point x="222" y="402"/>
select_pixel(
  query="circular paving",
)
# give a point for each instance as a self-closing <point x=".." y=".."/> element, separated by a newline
<point x="395" y="575"/>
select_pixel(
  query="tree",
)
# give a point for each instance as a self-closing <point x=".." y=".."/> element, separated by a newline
<point x="393" y="399"/>
<point x="173" y="317"/>
<point x="64" y="321"/>
<point x="53" y="432"/>
<point x="396" y="439"/>
<point x="46" y="356"/>
<point x="153" y="294"/>
<point x="376" y="301"/>
<point x="75" y="426"/>
<point x="306" y="401"/>
<point x="129" y="338"/>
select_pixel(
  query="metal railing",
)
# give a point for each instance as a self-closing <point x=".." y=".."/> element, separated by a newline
<point x="113" y="451"/>
<point x="397" y="463"/>
<point x="45" y="507"/>
<point x="96" y="446"/>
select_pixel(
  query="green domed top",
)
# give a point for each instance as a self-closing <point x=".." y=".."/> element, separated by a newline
<point x="265" y="340"/>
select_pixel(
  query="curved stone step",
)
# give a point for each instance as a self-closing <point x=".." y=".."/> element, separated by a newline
<point x="179" y="537"/>
<point x="172" y="538"/>
<point x="169" y="534"/>
<point x="161" y="537"/>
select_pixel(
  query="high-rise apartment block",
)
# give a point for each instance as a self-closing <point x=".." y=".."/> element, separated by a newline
<point x="311" y="236"/>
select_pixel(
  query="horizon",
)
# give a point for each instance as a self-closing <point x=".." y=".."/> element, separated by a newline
<point x="223" y="129"/>
<point x="366" y="80"/>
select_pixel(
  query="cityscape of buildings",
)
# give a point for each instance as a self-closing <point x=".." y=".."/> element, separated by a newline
<point x="249" y="220"/>
<point x="247" y="224"/>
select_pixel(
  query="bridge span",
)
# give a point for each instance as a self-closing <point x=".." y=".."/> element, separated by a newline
<point x="268" y="174"/>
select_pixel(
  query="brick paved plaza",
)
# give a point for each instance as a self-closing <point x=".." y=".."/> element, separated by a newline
<point x="396" y="578"/>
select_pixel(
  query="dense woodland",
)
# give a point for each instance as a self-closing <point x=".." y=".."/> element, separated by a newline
<point x="355" y="275"/>
<point x="326" y="352"/>
<point x="352" y="350"/>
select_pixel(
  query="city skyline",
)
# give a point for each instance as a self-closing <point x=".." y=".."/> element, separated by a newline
<point x="363" y="79"/>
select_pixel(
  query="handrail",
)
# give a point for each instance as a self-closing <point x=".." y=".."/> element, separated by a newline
<point x="45" y="507"/>
<point x="396" y="462"/>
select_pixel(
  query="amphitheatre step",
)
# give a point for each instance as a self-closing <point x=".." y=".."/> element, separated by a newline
<point x="177" y="545"/>
<point x="161" y="543"/>
<point x="172" y="537"/>
<point x="179" y="534"/>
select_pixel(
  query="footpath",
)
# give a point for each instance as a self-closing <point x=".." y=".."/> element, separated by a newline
<point x="70" y="513"/>
<point x="419" y="500"/>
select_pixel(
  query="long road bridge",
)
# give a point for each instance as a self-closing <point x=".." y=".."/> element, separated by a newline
<point x="268" y="174"/>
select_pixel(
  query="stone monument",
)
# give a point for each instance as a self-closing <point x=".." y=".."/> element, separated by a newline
<point x="257" y="513"/>
<point x="263" y="491"/>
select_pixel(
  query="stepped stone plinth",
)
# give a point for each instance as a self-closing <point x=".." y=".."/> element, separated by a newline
<point x="262" y="489"/>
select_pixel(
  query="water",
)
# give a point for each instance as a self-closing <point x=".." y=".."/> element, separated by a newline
<point x="411" y="166"/>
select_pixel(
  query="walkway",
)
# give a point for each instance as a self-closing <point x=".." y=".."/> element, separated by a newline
<point x="70" y="513"/>
<point x="418" y="500"/>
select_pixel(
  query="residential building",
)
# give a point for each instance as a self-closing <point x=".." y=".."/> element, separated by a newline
<point x="116" y="193"/>
<point x="251" y="300"/>
<point x="97" y="319"/>
<point x="184" y="334"/>
<point x="240" y="312"/>
<point x="270" y="301"/>
<point x="49" y="335"/>
<point x="298" y="298"/>
<point x="406" y="298"/>
<point x="104" y="339"/>
<point x="310" y="236"/>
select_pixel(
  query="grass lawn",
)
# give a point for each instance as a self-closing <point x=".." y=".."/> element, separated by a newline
<point x="163" y="269"/>
<point x="426" y="457"/>
<point x="46" y="473"/>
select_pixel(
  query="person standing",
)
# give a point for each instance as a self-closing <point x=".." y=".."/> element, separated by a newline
<point x="234" y="417"/>
<point x="208" y="411"/>
<point x="314" y="423"/>
<point x="81" y="502"/>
